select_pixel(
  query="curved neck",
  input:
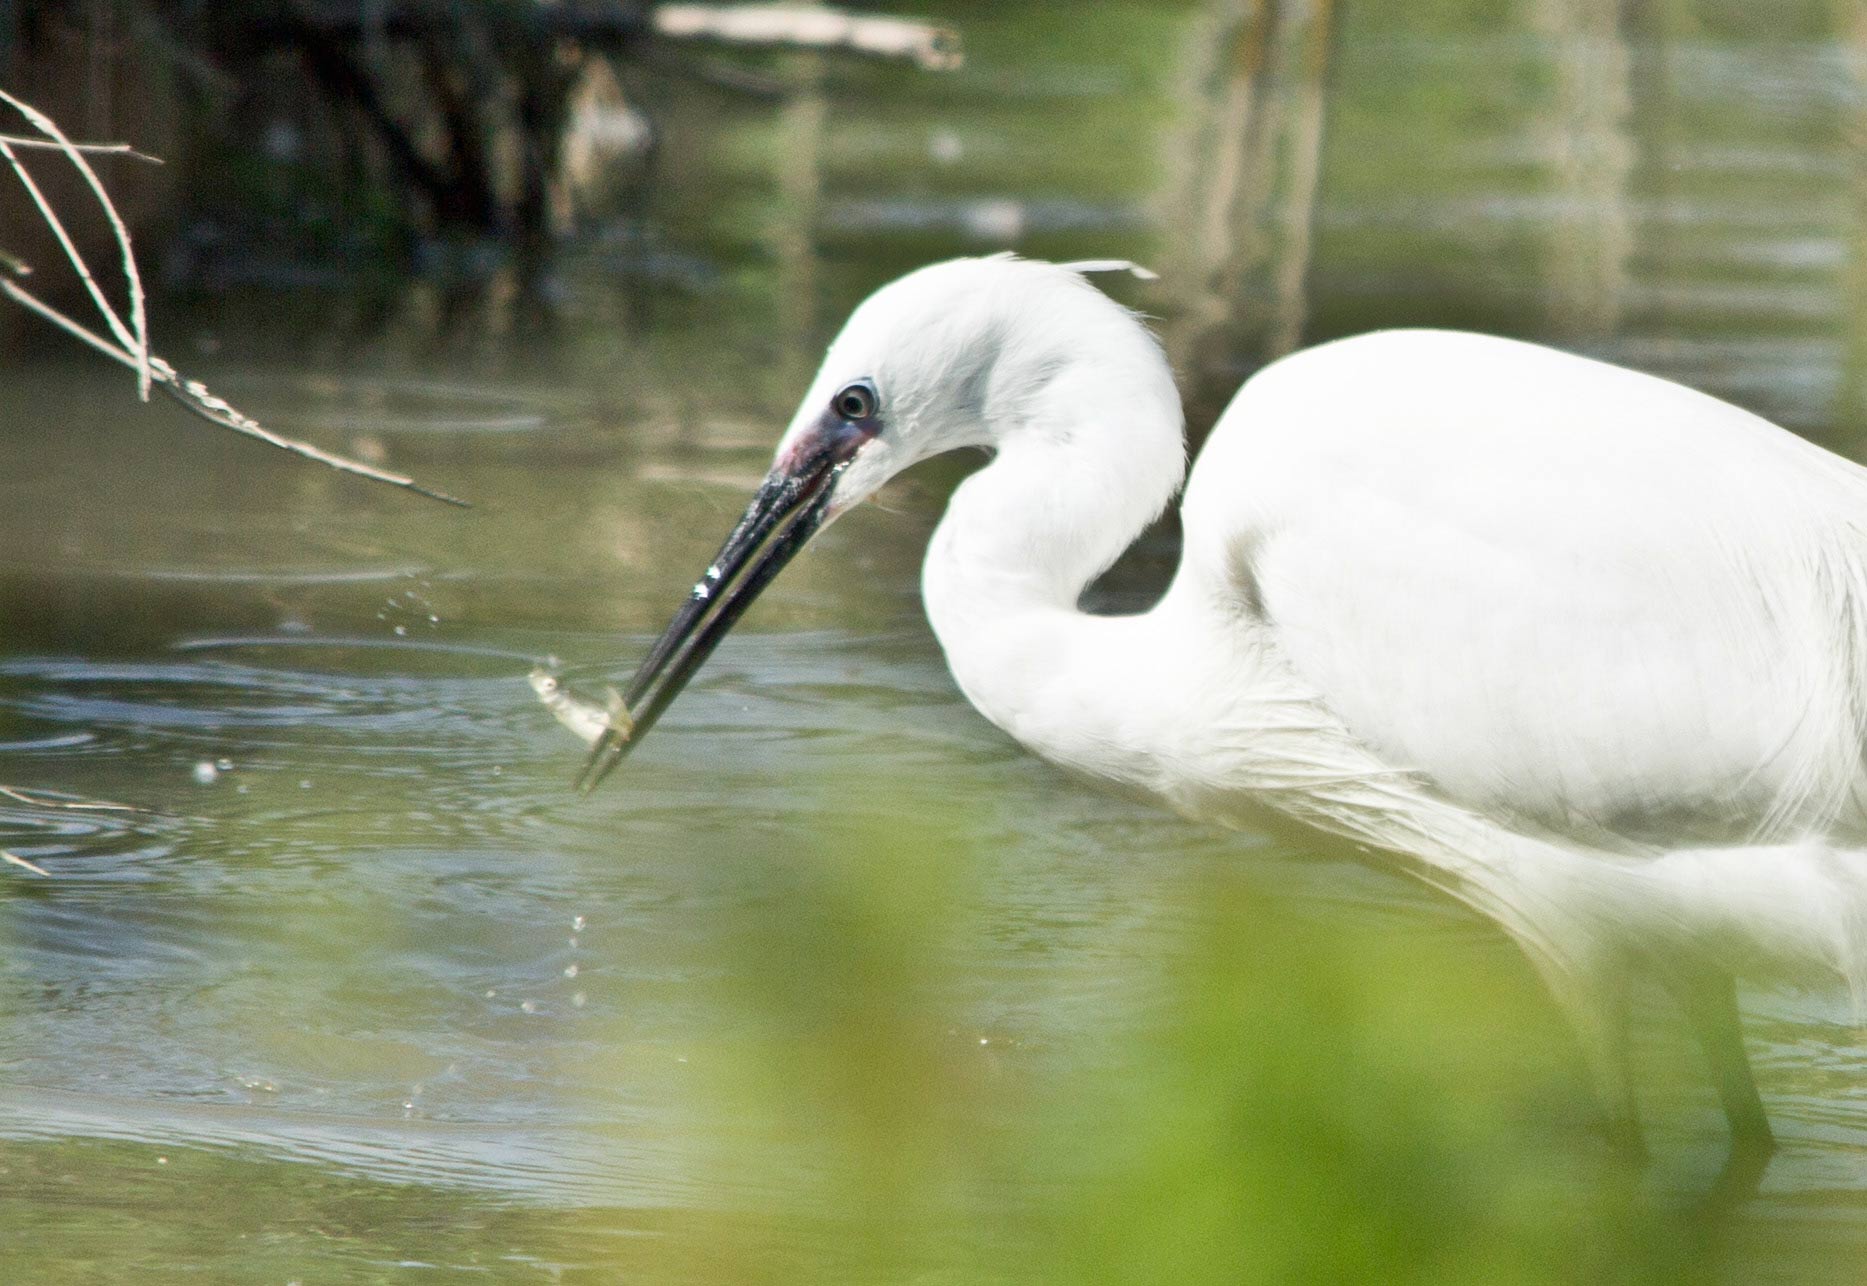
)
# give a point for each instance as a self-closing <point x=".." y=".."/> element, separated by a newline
<point x="1072" y="486"/>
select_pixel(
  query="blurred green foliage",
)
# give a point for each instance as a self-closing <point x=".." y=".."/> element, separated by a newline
<point x="1270" y="1093"/>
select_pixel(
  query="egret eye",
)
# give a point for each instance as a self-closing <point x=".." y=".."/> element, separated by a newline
<point x="857" y="401"/>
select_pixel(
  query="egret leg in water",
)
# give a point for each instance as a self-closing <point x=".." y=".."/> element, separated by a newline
<point x="1581" y="648"/>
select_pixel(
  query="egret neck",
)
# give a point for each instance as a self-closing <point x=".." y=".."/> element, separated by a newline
<point x="1080" y="469"/>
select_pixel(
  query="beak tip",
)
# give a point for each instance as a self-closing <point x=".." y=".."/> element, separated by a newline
<point x="606" y="753"/>
<point x="791" y="506"/>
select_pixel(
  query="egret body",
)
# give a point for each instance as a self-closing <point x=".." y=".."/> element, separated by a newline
<point x="1582" y="648"/>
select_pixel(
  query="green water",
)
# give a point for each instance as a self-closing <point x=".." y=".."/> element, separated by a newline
<point x="833" y="983"/>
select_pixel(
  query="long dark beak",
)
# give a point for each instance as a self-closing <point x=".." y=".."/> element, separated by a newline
<point x="787" y="511"/>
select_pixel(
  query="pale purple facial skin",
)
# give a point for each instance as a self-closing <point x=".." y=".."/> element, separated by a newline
<point x="833" y="438"/>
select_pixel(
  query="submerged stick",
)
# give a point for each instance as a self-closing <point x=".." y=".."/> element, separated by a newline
<point x="40" y="799"/>
<point x="44" y="799"/>
<point x="17" y="860"/>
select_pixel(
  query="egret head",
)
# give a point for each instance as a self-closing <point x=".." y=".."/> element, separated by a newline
<point x="953" y="355"/>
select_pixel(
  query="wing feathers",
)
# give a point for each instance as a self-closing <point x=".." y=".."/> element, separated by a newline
<point x="1563" y="591"/>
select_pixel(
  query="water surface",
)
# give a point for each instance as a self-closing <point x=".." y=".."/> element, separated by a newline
<point x="834" y="983"/>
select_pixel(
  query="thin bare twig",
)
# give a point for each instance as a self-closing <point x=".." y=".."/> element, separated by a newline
<point x="89" y="149"/>
<point x="123" y="334"/>
<point x="17" y="860"/>
<point x="129" y="343"/>
<point x="194" y="396"/>
<point x="40" y="799"/>
<point x="134" y="338"/>
<point x="44" y="799"/>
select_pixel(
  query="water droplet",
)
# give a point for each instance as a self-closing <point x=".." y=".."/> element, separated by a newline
<point x="570" y="971"/>
<point x="225" y="765"/>
<point x="945" y="147"/>
<point x="401" y="631"/>
<point x="576" y="923"/>
<point x="491" y="992"/>
<point x="576" y="1000"/>
<point x="529" y="1006"/>
<point x="162" y="1160"/>
<point x="206" y="773"/>
<point x="305" y="784"/>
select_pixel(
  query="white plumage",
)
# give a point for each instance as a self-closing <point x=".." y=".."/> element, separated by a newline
<point x="1569" y="593"/>
<point x="1581" y="647"/>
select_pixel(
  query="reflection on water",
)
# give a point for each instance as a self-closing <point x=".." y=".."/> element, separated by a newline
<point x="1243" y="166"/>
<point x="1592" y="229"/>
<point x="834" y="982"/>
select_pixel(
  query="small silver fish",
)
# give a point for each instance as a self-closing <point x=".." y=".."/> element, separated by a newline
<point x="584" y="717"/>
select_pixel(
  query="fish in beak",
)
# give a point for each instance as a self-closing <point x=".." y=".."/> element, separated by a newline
<point x="792" y="505"/>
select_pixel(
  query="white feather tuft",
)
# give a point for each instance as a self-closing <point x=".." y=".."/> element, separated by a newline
<point x="1086" y="266"/>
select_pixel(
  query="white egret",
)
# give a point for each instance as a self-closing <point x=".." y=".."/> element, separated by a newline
<point x="1582" y="648"/>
